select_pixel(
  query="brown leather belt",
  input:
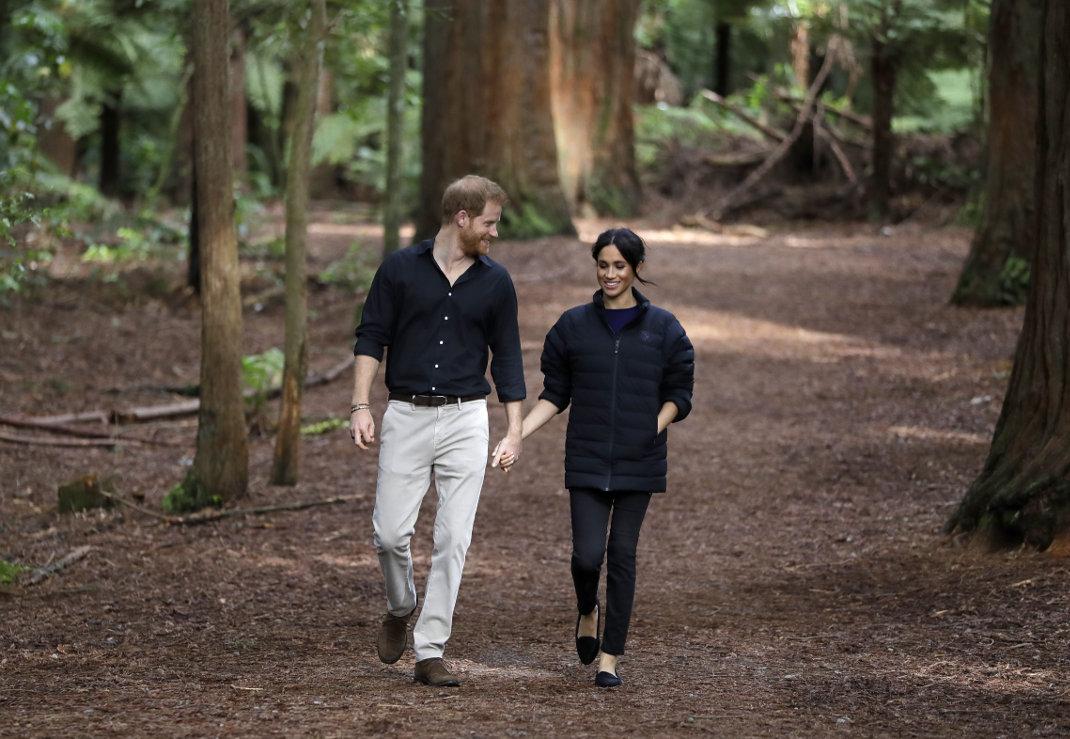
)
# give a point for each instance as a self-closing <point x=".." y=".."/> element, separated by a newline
<point x="434" y="401"/>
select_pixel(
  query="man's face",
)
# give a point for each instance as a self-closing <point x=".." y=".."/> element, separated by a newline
<point x="477" y="232"/>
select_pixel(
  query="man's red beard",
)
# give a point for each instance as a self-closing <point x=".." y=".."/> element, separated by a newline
<point x="471" y="244"/>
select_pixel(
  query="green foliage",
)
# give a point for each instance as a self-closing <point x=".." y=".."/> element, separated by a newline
<point x="261" y="372"/>
<point x="10" y="571"/>
<point x="325" y="426"/>
<point x="1014" y="281"/>
<point x="354" y="271"/>
<point x="189" y="495"/>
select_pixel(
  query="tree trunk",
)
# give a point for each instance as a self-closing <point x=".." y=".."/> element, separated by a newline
<point x="884" y="68"/>
<point x="723" y="59"/>
<point x="110" y="118"/>
<point x="323" y="181"/>
<point x="1023" y="493"/>
<point x="999" y="255"/>
<point x="392" y="205"/>
<point x="239" y="122"/>
<point x="193" y="262"/>
<point x="220" y="467"/>
<point x="307" y="66"/>
<point x="487" y="111"/>
<point x="55" y="143"/>
<point x="592" y="69"/>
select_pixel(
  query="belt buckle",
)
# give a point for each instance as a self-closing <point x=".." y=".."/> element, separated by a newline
<point x="437" y="400"/>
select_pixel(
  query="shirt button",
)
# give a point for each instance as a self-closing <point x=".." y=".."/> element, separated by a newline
<point x="440" y="342"/>
<point x="432" y="387"/>
<point x="447" y="318"/>
<point x="436" y="366"/>
<point x="449" y="295"/>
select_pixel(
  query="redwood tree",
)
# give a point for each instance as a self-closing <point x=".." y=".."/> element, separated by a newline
<point x="307" y="65"/>
<point x="1023" y="493"/>
<point x="486" y="90"/>
<point x="592" y="68"/>
<point x="220" y="467"/>
<point x="1007" y="230"/>
<point x="885" y="57"/>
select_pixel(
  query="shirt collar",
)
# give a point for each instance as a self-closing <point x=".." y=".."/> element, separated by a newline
<point x="641" y="301"/>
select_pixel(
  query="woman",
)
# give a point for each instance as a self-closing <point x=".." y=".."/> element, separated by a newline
<point x="627" y="368"/>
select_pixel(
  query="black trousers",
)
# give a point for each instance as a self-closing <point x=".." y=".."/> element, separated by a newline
<point x="591" y="510"/>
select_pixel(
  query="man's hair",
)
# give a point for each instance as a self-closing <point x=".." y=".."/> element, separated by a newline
<point x="471" y="194"/>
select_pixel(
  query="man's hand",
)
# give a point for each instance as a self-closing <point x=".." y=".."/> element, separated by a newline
<point x="362" y="428"/>
<point x="506" y="453"/>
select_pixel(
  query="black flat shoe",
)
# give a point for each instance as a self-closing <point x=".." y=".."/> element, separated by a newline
<point x="587" y="646"/>
<point x="607" y="680"/>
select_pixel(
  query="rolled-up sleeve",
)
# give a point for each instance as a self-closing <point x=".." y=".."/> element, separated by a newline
<point x="678" y="379"/>
<point x="507" y="362"/>
<point x="557" y="382"/>
<point x="376" y="329"/>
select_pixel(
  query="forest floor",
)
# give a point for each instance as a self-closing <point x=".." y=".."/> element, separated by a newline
<point x="793" y="580"/>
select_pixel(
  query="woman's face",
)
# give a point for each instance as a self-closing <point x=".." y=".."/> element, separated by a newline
<point x="615" y="275"/>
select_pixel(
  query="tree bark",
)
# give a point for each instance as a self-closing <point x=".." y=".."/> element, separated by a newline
<point x="193" y="259"/>
<point x="592" y="68"/>
<point x="220" y="467"/>
<point x="55" y="143"/>
<point x="1008" y="226"/>
<point x="1023" y="493"/>
<point x="487" y="111"/>
<point x="288" y="438"/>
<point x="884" y="67"/>
<point x="395" y="122"/>
<point x="723" y="59"/>
<point x="110" y="119"/>
<point x="239" y="121"/>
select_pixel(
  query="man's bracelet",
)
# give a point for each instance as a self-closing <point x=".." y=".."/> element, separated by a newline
<point x="359" y="407"/>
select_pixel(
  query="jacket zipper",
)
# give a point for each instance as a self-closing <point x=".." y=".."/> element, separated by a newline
<point x="613" y="411"/>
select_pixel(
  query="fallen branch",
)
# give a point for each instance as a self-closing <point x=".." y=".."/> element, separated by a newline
<point x="52" y="568"/>
<point x="171" y="410"/>
<point x="194" y="519"/>
<point x="28" y="422"/>
<point x="68" y="442"/>
<point x="806" y="113"/>
<point x="198" y="518"/>
<point x="88" y="417"/>
<point x="768" y="131"/>
<point x="859" y="120"/>
<point x="829" y="138"/>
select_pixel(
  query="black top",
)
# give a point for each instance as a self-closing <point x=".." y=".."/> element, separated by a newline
<point x="616" y="384"/>
<point x="439" y="335"/>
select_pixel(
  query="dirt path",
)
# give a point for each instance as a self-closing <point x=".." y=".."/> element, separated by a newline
<point x="792" y="580"/>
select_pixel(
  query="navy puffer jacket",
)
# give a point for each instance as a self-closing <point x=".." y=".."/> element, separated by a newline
<point x="616" y="385"/>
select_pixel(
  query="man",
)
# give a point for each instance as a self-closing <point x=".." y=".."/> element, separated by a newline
<point x="439" y="306"/>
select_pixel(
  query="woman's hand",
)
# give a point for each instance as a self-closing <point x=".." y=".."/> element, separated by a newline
<point x="666" y="415"/>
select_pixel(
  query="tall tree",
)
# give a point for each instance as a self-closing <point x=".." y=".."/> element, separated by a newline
<point x="395" y="101"/>
<point x="592" y="68"/>
<point x="239" y="121"/>
<point x="307" y="63"/>
<point x="220" y="467"/>
<point x="486" y="91"/>
<point x="1023" y="493"/>
<point x="110" y="121"/>
<point x="885" y="56"/>
<point x="1007" y="230"/>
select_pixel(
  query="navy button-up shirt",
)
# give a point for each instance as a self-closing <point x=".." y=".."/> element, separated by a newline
<point x="439" y="334"/>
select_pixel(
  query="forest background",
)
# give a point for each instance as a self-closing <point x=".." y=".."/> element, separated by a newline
<point x="318" y="136"/>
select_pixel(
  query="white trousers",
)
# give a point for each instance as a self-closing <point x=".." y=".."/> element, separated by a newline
<point x="450" y="443"/>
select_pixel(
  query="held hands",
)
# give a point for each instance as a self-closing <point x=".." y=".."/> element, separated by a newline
<point x="506" y="453"/>
<point x="362" y="428"/>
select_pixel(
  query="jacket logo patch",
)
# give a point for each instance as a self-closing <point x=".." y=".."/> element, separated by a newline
<point x="647" y="338"/>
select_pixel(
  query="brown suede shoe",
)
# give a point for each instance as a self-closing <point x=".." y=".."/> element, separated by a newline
<point x="393" y="636"/>
<point x="433" y="672"/>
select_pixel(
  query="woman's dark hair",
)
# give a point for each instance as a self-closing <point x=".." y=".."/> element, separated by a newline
<point x="628" y="243"/>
